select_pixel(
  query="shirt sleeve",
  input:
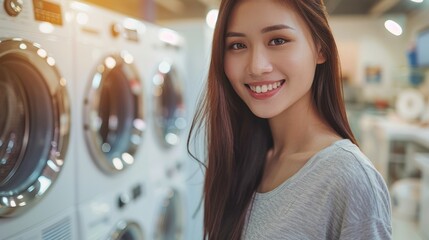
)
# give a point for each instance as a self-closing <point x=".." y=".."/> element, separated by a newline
<point x="370" y="229"/>
<point x="367" y="210"/>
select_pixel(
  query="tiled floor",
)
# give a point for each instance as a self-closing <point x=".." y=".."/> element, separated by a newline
<point x="405" y="230"/>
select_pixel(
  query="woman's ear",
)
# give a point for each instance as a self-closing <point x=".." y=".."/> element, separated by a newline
<point x="321" y="58"/>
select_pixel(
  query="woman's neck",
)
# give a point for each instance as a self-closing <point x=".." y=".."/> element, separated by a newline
<point x="300" y="129"/>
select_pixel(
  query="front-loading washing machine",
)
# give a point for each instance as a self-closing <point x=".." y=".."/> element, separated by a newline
<point x="116" y="215"/>
<point x="167" y="88"/>
<point x="167" y="121"/>
<point x="110" y="113"/>
<point x="36" y="144"/>
<point x="167" y="212"/>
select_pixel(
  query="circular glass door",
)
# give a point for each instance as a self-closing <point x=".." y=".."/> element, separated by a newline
<point x="125" y="230"/>
<point x="113" y="113"/>
<point x="34" y="124"/>
<point x="169" y="225"/>
<point x="169" y="108"/>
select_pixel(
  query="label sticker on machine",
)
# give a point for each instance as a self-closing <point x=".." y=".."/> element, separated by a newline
<point x="47" y="12"/>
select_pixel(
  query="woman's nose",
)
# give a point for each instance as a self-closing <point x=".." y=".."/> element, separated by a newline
<point x="259" y="62"/>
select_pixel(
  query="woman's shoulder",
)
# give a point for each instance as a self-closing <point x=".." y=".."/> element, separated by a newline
<point x="344" y="169"/>
<point x="348" y="160"/>
<point x="354" y="179"/>
<point x="341" y="161"/>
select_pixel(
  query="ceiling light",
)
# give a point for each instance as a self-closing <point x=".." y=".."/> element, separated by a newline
<point x="417" y="1"/>
<point x="211" y="18"/>
<point x="393" y="27"/>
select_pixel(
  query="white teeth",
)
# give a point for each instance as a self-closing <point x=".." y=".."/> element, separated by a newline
<point x="265" y="88"/>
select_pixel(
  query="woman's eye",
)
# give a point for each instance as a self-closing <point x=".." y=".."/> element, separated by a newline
<point x="277" y="41"/>
<point x="237" y="46"/>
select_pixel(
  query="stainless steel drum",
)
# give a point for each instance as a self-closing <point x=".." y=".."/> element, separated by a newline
<point x="113" y="113"/>
<point x="169" y="107"/>
<point x="34" y="124"/>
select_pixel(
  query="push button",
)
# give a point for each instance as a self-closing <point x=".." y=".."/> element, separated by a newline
<point x="13" y="7"/>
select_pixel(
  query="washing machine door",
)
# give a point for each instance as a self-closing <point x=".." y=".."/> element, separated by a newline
<point x="34" y="124"/>
<point x="127" y="230"/>
<point x="113" y="113"/>
<point x="171" y="218"/>
<point x="169" y="109"/>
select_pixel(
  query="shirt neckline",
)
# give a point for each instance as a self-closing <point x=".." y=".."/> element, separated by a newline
<point x="301" y="172"/>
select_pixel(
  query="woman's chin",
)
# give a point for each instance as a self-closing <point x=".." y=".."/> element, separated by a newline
<point x="264" y="113"/>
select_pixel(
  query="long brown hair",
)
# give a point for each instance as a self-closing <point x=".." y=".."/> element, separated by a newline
<point x="237" y="141"/>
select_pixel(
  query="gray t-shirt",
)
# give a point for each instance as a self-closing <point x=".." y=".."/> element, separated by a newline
<point x="338" y="194"/>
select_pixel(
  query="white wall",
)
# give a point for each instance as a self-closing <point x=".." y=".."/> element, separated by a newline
<point x="416" y="22"/>
<point x="363" y="41"/>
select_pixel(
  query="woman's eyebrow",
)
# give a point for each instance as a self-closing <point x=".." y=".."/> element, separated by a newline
<point x="264" y="30"/>
<point x="276" y="27"/>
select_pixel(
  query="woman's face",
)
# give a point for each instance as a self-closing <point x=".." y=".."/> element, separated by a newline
<point x="270" y="56"/>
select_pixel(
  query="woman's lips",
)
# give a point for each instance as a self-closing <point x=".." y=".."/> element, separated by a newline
<point x="265" y="89"/>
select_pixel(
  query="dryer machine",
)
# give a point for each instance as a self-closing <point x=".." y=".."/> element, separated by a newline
<point x="36" y="158"/>
<point x="167" y="122"/>
<point x="116" y="215"/>
<point x="168" y="107"/>
<point x="167" y="212"/>
<point x="110" y="113"/>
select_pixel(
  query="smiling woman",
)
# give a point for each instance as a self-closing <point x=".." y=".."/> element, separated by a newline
<point x="262" y="53"/>
<point x="282" y="161"/>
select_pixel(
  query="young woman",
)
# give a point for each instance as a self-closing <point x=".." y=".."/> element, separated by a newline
<point x="282" y="160"/>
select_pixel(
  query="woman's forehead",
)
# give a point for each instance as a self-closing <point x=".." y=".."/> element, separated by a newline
<point x="251" y="15"/>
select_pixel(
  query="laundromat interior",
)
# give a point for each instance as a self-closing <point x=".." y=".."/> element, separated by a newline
<point x="97" y="98"/>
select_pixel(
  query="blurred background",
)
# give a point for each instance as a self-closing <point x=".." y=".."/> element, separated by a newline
<point x="97" y="98"/>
